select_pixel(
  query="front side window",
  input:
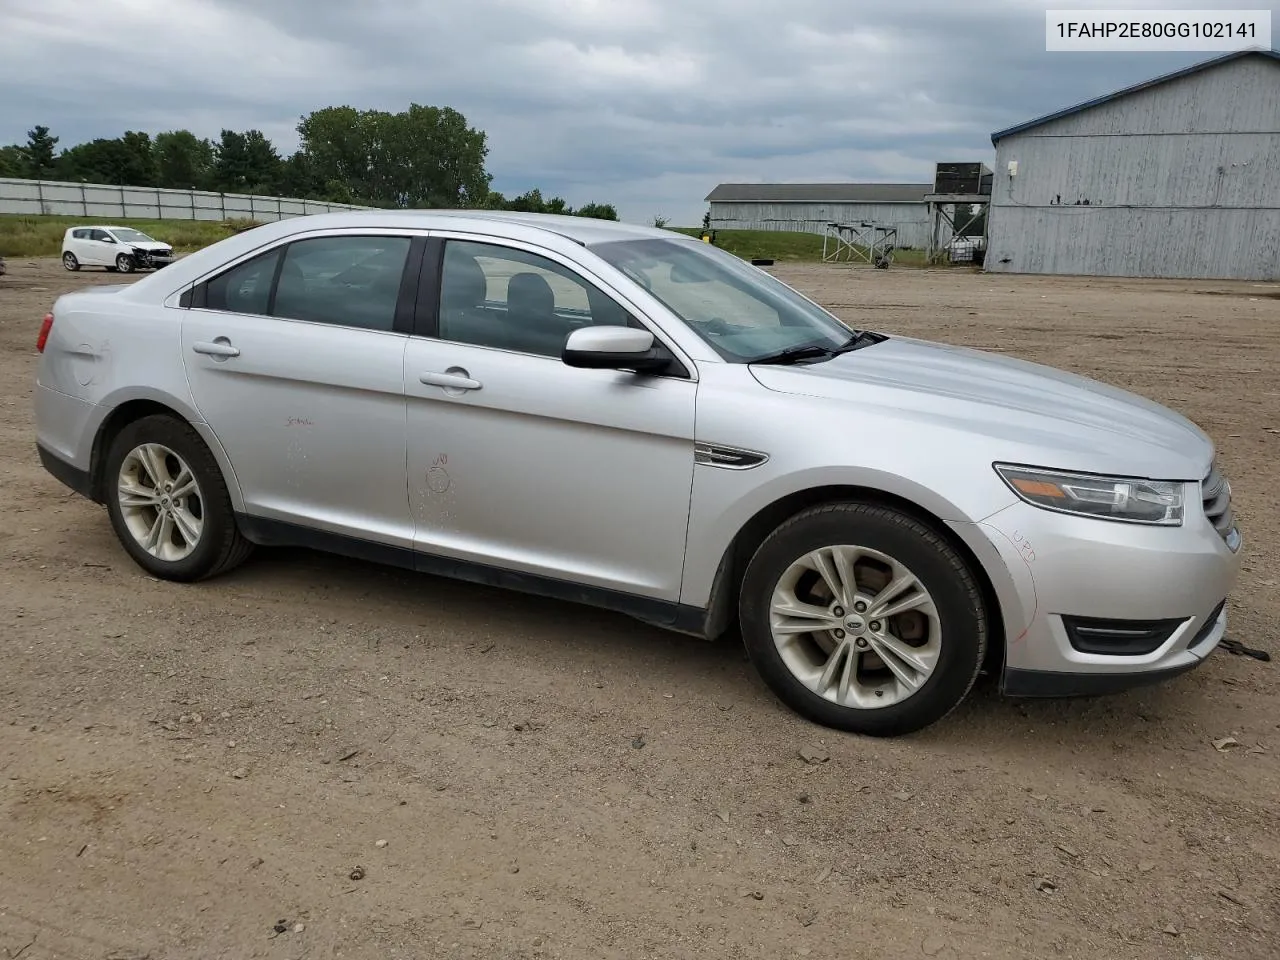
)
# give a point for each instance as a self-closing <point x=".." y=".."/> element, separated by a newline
<point x="501" y="297"/>
<point x="745" y="314"/>
<point x="100" y="235"/>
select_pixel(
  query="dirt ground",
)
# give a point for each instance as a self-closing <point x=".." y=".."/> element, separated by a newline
<point x="183" y="768"/>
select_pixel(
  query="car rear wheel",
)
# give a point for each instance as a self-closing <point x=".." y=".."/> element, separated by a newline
<point x="124" y="263"/>
<point x="861" y="618"/>
<point x="168" y="502"/>
<point x="70" y="262"/>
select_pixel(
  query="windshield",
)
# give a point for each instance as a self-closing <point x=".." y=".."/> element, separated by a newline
<point x="742" y="312"/>
<point x="129" y="235"/>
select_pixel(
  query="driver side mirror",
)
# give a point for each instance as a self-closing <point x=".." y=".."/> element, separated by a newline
<point x="614" y="348"/>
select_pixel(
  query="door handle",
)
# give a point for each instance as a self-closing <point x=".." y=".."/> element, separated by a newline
<point x="450" y="381"/>
<point x="220" y="348"/>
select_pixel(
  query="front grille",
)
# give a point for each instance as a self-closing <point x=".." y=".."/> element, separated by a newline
<point x="1216" y="494"/>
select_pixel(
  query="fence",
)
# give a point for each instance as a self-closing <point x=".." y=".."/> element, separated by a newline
<point x="102" y="201"/>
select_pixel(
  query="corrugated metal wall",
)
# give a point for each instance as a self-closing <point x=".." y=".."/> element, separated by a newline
<point x="1183" y="180"/>
<point x="102" y="201"/>
<point x="910" y="219"/>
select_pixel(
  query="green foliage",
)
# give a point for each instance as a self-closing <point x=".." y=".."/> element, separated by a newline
<point x="245" y="163"/>
<point x="38" y="155"/>
<point x="42" y="236"/>
<point x="422" y="157"/>
<point x="126" y="161"/>
<point x="183" y="160"/>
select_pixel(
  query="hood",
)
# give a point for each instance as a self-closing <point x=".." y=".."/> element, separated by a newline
<point x="150" y="245"/>
<point x="1035" y="414"/>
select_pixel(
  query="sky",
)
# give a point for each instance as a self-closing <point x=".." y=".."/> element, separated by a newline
<point x="646" y="104"/>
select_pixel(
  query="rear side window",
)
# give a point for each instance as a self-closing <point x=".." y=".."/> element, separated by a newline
<point x="81" y="234"/>
<point x="347" y="281"/>
<point x="245" y="288"/>
<point x="343" y="281"/>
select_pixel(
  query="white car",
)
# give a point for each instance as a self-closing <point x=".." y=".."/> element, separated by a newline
<point x="116" y="248"/>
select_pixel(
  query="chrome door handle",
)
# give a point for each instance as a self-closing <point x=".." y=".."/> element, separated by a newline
<point x="220" y="348"/>
<point x="450" y="381"/>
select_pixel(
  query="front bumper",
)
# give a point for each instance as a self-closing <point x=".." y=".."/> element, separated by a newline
<point x="1054" y="566"/>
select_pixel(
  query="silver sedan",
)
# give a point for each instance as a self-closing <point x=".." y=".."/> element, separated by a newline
<point x="634" y="419"/>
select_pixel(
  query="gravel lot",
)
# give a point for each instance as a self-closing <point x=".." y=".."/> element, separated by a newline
<point x="186" y="770"/>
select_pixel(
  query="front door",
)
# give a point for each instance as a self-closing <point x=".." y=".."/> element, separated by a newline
<point x="295" y="359"/>
<point x="519" y="462"/>
<point x="100" y="249"/>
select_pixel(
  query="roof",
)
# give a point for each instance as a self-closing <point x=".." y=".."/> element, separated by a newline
<point x="820" y="192"/>
<point x="1136" y="88"/>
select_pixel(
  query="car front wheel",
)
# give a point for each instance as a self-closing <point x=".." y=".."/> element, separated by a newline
<point x="861" y="618"/>
<point x="168" y="502"/>
<point x="124" y="263"/>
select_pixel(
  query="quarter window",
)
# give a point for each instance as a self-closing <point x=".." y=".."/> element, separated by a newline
<point x="245" y="288"/>
<point x="501" y="297"/>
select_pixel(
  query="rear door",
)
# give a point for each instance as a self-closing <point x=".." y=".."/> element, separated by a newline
<point x="295" y="359"/>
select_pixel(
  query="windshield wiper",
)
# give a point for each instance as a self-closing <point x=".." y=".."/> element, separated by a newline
<point x="812" y="351"/>
<point x="816" y="351"/>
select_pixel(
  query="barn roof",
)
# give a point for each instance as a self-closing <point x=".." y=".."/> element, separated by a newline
<point x="1136" y="88"/>
<point x="820" y="192"/>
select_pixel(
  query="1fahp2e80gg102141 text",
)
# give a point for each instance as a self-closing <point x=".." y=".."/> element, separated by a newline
<point x="1146" y="30"/>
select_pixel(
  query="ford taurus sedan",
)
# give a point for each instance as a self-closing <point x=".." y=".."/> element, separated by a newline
<point x="630" y="418"/>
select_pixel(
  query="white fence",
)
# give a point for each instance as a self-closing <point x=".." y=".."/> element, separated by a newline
<point x="102" y="201"/>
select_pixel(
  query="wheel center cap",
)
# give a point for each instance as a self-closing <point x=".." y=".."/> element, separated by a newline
<point x="855" y="625"/>
<point x="166" y="501"/>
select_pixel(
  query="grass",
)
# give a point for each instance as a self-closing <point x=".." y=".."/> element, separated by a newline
<point x="785" y="245"/>
<point x="40" y="236"/>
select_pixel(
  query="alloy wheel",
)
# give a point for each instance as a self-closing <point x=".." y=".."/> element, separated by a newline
<point x="855" y="626"/>
<point x="160" y="502"/>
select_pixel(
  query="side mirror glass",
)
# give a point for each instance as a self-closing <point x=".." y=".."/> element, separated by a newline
<point x="614" y="348"/>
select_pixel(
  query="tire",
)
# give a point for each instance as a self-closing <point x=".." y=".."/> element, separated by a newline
<point x="124" y="263"/>
<point x="70" y="262"/>
<point x="945" y="633"/>
<point x="219" y="545"/>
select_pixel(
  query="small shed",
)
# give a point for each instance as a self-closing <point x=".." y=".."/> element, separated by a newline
<point x="810" y="207"/>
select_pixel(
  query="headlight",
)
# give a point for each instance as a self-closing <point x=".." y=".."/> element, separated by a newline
<point x="1126" y="499"/>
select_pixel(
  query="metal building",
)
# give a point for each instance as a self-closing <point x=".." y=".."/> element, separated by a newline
<point x="809" y="207"/>
<point x="1175" y="177"/>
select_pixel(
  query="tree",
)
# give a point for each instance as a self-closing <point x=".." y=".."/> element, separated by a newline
<point x="38" y="154"/>
<point x="13" y="161"/>
<point x="245" y="163"/>
<point x="421" y="157"/>
<point x="126" y="161"/>
<point x="183" y="160"/>
<point x="598" y="211"/>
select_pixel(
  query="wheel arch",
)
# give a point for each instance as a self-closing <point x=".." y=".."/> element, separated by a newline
<point x="723" y="603"/>
<point x="134" y="409"/>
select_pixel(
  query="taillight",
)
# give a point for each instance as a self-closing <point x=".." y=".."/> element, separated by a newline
<point x="45" y="327"/>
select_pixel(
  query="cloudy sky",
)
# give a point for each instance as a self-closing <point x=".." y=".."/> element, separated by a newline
<point x="644" y="103"/>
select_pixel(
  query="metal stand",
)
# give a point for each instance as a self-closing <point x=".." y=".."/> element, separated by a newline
<point x="938" y="204"/>
<point x="865" y="241"/>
